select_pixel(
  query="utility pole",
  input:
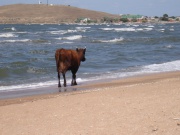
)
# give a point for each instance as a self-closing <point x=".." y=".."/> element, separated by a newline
<point x="47" y="2"/>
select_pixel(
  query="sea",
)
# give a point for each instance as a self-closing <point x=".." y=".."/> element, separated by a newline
<point x="113" y="51"/>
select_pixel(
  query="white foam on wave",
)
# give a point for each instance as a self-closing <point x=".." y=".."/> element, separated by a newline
<point x="148" y="29"/>
<point x="83" y="27"/>
<point x="27" y="86"/>
<point x="62" y="32"/>
<point x="13" y="41"/>
<point x="12" y="28"/>
<point x="58" y="32"/>
<point x="112" y="40"/>
<point x="106" y="29"/>
<point x="119" y="29"/>
<point x="7" y="35"/>
<point x="164" y="67"/>
<point x="74" y="37"/>
<point x="130" y="29"/>
<point x="36" y="85"/>
<point x="151" y="26"/>
<point x="125" y="29"/>
<point x="65" y="43"/>
<point x="147" y="69"/>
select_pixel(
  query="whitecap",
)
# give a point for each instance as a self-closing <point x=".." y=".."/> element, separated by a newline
<point x="65" y="43"/>
<point x="80" y="28"/>
<point x="75" y="37"/>
<point x="111" y="41"/>
<point x="151" y="26"/>
<point x="140" y="29"/>
<point x="148" y="29"/>
<point x="13" y="41"/>
<point x="58" y="32"/>
<point x="135" y="25"/>
<point x="7" y="35"/>
<point x="124" y="29"/>
<point x="168" y="46"/>
<point x="12" y="28"/>
<point x="106" y="29"/>
<point x="163" y="67"/>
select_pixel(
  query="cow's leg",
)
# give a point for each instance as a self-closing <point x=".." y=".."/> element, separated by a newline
<point x="64" y="76"/>
<point x="59" y="84"/>
<point x="73" y="79"/>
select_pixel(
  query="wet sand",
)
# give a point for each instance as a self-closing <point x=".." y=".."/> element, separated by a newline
<point x="139" y="105"/>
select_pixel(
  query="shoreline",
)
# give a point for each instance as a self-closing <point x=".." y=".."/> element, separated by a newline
<point x="72" y="23"/>
<point x="140" y="105"/>
<point x="21" y="96"/>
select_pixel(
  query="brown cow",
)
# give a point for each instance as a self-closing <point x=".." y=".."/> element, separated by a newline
<point x="69" y="60"/>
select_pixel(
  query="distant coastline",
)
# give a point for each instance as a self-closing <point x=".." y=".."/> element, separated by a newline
<point x="43" y="14"/>
<point x="59" y="14"/>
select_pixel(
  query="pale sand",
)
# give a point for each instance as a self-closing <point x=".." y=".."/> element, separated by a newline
<point x="142" y="105"/>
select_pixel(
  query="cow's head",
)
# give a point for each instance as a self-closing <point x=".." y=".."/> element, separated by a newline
<point x="81" y="53"/>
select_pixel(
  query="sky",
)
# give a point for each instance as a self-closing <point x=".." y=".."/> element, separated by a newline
<point x="141" y="7"/>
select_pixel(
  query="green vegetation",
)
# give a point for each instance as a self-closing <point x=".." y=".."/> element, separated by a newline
<point x="164" y="18"/>
<point x="129" y="18"/>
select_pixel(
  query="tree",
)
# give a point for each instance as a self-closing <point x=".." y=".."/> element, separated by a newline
<point x="124" y="20"/>
<point x="165" y="16"/>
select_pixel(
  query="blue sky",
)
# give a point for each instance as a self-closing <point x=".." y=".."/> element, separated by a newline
<point x="142" y="7"/>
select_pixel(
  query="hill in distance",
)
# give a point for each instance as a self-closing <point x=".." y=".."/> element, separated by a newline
<point x="34" y="13"/>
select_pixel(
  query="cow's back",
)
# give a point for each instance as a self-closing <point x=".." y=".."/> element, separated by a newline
<point x="66" y="59"/>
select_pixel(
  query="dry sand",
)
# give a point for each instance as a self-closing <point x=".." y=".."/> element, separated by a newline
<point x="141" y="105"/>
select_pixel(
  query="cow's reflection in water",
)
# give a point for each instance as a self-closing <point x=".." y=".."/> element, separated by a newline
<point x="64" y="89"/>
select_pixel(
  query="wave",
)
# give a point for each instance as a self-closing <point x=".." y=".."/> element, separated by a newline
<point x="65" y="43"/>
<point x="82" y="28"/>
<point x="75" y="37"/>
<point x="118" y="29"/>
<point x="13" y="41"/>
<point x="163" y="67"/>
<point x="131" y="29"/>
<point x="131" y="71"/>
<point x="27" y="86"/>
<point x="7" y="35"/>
<point x="11" y="28"/>
<point x="109" y="41"/>
<point x="125" y="29"/>
<point x="58" y="32"/>
<point x="62" y="32"/>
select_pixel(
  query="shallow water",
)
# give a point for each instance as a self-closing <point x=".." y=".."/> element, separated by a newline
<point x="113" y="51"/>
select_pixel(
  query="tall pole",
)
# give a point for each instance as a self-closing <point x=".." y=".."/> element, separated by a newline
<point x="47" y="2"/>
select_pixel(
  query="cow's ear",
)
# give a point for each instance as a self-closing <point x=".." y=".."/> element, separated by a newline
<point x="76" y="49"/>
<point x="85" y="49"/>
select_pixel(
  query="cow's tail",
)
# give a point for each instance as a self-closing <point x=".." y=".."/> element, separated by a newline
<point x="59" y="62"/>
<point x="57" y="57"/>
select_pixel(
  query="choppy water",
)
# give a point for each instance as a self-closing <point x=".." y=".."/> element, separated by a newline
<point x="113" y="51"/>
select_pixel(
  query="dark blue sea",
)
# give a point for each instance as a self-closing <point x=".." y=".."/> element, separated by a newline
<point x="113" y="51"/>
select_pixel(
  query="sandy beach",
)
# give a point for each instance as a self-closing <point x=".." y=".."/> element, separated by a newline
<point x="141" y="105"/>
